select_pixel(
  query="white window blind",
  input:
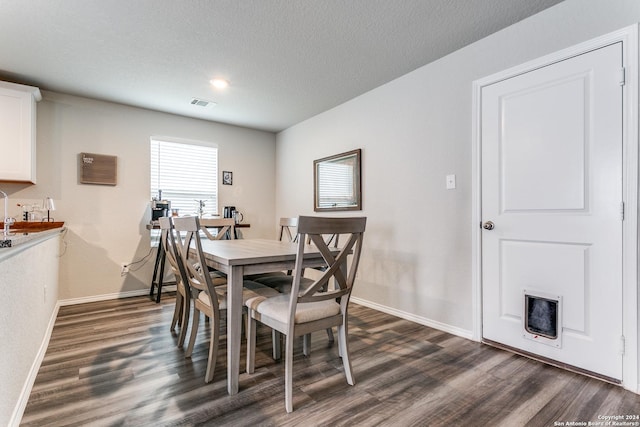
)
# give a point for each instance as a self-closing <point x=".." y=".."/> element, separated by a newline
<point x="186" y="173"/>
<point x="337" y="187"/>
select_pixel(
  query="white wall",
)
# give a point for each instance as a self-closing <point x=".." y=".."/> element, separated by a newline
<point x="30" y="292"/>
<point x="413" y="131"/>
<point x="106" y="223"/>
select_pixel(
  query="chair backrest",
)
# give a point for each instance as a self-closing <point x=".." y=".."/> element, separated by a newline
<point x="168" y="242"/>
<point x="195" y="264"/>
<point x="286" y="225"/>
<point x="226" y="228"/>
<point x="337" y="265"/>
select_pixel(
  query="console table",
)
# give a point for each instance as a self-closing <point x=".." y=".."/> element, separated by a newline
<point x="158" y="268"/>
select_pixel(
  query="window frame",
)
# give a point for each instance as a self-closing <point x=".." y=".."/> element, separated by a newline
<point x="321" y="182"/>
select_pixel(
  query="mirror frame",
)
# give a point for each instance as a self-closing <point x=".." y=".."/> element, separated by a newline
<point x="357" y="181"/>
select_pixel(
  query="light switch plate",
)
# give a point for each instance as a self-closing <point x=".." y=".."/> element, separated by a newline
<point x="451" y="182"/>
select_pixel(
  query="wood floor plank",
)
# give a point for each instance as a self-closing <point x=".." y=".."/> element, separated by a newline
<point x="115" y="363"/>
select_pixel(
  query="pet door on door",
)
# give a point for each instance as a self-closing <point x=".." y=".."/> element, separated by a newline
<point x="542" y="318"/>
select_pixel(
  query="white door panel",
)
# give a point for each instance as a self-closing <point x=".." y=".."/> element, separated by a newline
<point x="562" y="168"/>
<point x="552" y="184"/>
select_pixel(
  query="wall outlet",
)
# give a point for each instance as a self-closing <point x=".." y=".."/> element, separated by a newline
<point x="124" y="270"/>
<point x="451" y="182"/>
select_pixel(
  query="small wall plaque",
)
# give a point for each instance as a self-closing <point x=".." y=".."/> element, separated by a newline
<point x="98" y="169"/>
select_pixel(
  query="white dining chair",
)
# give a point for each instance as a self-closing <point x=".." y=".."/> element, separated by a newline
<point x="209" y="299"/>
<point x="279" y="279"/>
<point x="318" y="306"/>
<point x="225" y="228"/>
<point x="282" y="282"/>
<point x="181" y="312"/>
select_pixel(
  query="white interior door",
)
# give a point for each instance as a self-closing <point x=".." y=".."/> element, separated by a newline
<point x="551" y="153"/>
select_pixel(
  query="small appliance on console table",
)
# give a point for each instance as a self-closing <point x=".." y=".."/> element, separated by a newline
<point x="159" y="207"/>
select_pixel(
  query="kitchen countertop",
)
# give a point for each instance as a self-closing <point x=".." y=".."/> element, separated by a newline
<point x="26" y="234"/>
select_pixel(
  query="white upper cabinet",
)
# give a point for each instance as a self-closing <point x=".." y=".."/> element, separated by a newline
<point x="18" y="132"/>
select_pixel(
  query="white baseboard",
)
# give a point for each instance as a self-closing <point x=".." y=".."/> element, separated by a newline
<point x="417" y="319"/>
<point x="115" y="295"/>
<point x="18" y="411"/>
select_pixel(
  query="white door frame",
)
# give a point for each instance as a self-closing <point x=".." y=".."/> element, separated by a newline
<point x="629" y="38"/>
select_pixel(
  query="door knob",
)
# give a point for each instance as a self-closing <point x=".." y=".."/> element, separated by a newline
<point x="488" y="225"/>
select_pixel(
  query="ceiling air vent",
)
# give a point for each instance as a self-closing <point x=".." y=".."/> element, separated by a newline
<point x="202" y="102"/>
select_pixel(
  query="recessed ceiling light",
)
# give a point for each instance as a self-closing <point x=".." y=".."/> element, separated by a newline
<point x="219" y="83"/>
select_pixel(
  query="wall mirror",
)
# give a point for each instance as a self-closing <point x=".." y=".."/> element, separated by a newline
<point x="336" y="182"/>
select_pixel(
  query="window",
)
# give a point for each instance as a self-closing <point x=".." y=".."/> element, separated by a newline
<point x="186" y="172"/>
<point x="336" y="189"/>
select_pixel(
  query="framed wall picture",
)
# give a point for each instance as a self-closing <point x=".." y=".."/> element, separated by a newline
<point x="97" y="169"/>
<point x="227" y="178"/>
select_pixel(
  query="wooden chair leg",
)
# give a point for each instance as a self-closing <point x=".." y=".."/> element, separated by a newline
<point x="186" y="310"/>
<point x="213" y="350"/>
<point x="177" y="311"/>
<point x="245" y="323"/>
<point x="330" y="334"/>
<point x="306" y="342"/>
<point x="306" y="345"/>
<point x="288" y="374"/>
<point x="194" y="332"/>
<point x="251" y="344"/>
<point x="276" y="338"/>
<point x="344" y="352"/>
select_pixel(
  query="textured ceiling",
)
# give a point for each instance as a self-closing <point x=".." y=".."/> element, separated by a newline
<point x="287" y="60"/>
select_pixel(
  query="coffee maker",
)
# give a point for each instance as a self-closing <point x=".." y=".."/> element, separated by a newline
<point x="159" y="207"/>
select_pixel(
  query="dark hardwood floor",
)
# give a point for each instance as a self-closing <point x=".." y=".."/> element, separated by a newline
<point x="115" y="363"/>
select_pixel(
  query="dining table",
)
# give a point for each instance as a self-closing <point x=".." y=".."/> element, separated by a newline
<point x="237" y="258"/>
